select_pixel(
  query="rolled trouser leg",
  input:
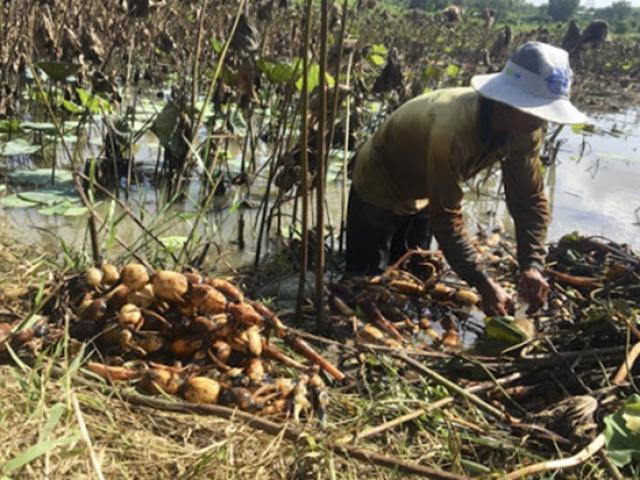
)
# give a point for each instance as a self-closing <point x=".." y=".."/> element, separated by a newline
<point x="369" y="232"/>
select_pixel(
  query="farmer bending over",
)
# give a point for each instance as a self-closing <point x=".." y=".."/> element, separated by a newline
<point x="407" y="178"/>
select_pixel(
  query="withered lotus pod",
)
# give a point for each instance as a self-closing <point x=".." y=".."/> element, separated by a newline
<point x="240" y="397"/>
<point x="193" y="278"/>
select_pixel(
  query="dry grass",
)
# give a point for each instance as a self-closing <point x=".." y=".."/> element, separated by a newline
<point x="40" y="431"/>
<point x="41" y="417"/>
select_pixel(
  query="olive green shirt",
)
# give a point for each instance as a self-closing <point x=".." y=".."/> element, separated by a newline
<point x="423" y="153"/>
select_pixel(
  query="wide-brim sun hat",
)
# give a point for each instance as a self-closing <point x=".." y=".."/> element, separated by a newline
<point x="535" y="80"/>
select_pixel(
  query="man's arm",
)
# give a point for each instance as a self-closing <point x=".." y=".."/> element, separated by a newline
<point x="526" y="200"/>
<point x="528" y="205"/>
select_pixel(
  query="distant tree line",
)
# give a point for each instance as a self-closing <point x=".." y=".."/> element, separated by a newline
<point x="621" y="15"/>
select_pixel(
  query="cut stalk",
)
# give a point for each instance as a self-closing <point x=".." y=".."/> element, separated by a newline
<point x="321" y="175"/>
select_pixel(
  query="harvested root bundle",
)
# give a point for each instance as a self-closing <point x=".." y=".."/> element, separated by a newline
<point x="172" y="319"/>
<point x="134" y="276"/>
<point x="171" y="286"/>
<point x="201" y="390"/>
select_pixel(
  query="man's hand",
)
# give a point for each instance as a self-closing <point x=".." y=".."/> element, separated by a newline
<point x="495" y="301"/>
<point x="533" y="288"/>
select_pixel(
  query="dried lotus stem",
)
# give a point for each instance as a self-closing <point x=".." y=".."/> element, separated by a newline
<point x="340" y="306"/>
<point x="156" y="316"/>
<point x="379" y="321"/>
<point x="304" y="349"/>
<point x="272" y="318"/>
<point x="271" y="351"/>
<point x="112" y="373"/>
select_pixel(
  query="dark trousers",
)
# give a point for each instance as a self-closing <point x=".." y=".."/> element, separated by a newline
<point x="378" y="237"/>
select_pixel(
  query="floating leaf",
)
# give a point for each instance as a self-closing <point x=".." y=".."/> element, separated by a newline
<point x="40" y="177"/>
<point x="46" y="127"/>
<point x="11" y="125"/>
<point x="64" y="208"/>
<point x="622" y="433"/>
<point x="58" y="71"/>
<point x="18" y="146"/>
<point x="49" y="196"/>
<point x="379" y="49"/>
<point x="76" y="211"/>
<point x="14" y="201"/>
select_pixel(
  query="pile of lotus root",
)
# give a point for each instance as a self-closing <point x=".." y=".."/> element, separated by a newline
<point x="405" y="304"/>
<point x="183" y="334"/>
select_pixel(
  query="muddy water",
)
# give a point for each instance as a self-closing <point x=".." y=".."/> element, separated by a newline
<point x="594" y="188"/>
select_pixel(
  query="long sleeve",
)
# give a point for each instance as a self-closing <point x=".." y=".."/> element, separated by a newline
<point x="445" y="215"/>
<point x="527" y="203"/>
